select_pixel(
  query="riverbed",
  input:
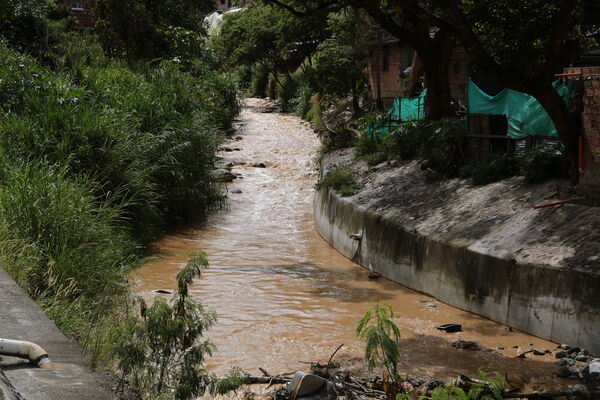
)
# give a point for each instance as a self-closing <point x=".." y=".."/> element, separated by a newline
<point x="284" y="297"/>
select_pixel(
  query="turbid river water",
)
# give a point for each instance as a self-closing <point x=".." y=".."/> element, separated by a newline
<point x="284" y="296"/>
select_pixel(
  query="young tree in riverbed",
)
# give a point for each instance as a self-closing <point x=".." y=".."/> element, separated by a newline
<point x="162" y="354"/>
<point x="381" y="336"/>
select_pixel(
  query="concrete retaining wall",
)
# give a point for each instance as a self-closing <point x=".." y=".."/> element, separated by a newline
<point x="555" y="304"/>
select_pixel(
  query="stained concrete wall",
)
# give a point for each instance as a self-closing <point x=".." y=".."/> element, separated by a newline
<point x="555" y="304"/>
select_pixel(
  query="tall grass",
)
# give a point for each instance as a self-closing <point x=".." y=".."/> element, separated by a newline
<point x="96" y="159"/>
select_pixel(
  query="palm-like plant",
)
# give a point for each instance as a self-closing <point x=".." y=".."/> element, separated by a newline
<point x="381" y="336"/>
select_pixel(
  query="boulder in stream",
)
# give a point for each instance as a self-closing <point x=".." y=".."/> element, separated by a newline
<point x="223" y="175"/>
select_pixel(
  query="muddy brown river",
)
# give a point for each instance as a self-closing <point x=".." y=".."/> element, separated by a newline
<point x="283" y="296"/>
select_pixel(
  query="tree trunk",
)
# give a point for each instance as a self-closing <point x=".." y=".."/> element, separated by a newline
<point x="355" y="104"/>
<point x="436" y="61"/>
<point x="435" y="58"/>
<point x="565" y="124"/>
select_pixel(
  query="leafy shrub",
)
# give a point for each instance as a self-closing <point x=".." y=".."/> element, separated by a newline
<point x="260" y="80"/>
<point x="381" y="336"/>
<point x="131" y="132"/>
<point x="285" y="91"/>
<point x="65" y="247"/>
<point x="300" y="103"/>
<point x="341" y="179"/>
<point x="543" y="163"/>
<point x="314" y="113"/>
<point x="162" y="354"/>
<point x="493" y="169"/>
<point x="437" y="142"/>
<point x="441" y="145"/>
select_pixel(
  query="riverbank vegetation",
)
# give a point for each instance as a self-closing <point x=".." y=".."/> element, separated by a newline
<point x="323" y="76"/>
<point x="102" y="148"/>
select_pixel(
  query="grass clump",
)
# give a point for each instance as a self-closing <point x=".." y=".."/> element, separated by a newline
<point x="543" y="163"/>
<point x="493" y="169"/>
<point x="341" y="179"/>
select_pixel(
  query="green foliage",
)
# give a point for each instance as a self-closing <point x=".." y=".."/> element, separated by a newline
<point x="235" y="379"/>
<point x="543" y="163"/>
<point x="66" y="234"/>
<point x="441" y="146"/>
<point x="492" y="169"/>
<point x="267" y="33"/>
<point x="163" y="352"/>
<point x="341" y="179"/>
<point x="260" y="79"/>
<point x="314" y="115"/>
<point x="97" y="158"/>
<point x="131" y="132"/>
<point x="532" y="26"/>
<point x="490" y="386"/>
<point x="139" y="29"/>
<point x="32" y="25"/>
<point x="437" y="142"/>
<point x="381" y="336"/>
<point x="339" y="59"/>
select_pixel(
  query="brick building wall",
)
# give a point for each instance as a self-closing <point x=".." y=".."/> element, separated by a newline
<point x="82" y="11"/>
<point x="388" y="61"/>
<point x="589" y="182"/>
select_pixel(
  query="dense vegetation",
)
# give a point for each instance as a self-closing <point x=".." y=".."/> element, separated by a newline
<point x="98" y="155"/>
<point x="302" y="62"/>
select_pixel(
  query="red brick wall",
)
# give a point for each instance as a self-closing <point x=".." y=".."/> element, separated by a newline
<point x="400" y="57"/>
<point x="84" y="19"/>
<point x="589" y="182"/>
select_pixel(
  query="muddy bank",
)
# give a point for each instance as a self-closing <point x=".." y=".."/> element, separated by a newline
<point x="482" y="249"/>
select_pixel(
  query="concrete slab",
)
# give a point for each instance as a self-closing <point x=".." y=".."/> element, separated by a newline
<point x="69" y="378"/>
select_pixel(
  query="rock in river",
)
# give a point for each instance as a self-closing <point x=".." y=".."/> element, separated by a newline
<point x="223" y="175"/>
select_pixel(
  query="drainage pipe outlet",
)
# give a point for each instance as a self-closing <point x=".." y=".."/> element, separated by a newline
<point x="21" y="349"/>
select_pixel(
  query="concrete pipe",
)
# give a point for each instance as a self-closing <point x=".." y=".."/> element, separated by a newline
<point x="31" y="351"/>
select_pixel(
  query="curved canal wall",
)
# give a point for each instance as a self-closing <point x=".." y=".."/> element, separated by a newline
<point x="555" y="302"/>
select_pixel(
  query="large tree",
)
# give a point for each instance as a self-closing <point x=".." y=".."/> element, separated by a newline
<point x="147" y="29"/>
<point x="402" y="20"/>
<point x="268" y="34"/>
<point x="521" y="43"/>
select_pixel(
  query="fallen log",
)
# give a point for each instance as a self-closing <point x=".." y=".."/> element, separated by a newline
<point x="254" y="380"/>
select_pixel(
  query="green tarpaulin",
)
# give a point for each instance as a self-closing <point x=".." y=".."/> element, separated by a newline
<point x="525" y="115"/>
<point x="409" y="108"/>
<point x="403" y="109"/>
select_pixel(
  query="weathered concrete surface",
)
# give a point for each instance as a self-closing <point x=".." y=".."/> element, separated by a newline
<point x="482" y="249"/>
<point x="69" y="378"/>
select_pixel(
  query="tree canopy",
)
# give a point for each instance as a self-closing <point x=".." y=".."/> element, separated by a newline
<point x="264" y="32"/>
<point x="147" y="29"/>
